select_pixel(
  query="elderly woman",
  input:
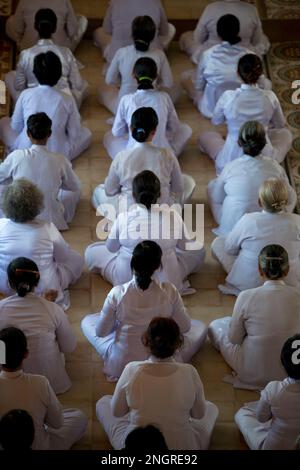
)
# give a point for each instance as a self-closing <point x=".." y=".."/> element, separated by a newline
<point x="23" y="234"/>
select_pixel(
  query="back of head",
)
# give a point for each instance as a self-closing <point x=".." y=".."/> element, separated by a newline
<point x="252" y="138"/>
<point x="47" y="68"/>
<point x="23" y="275"/>
<point x="145" y="439"/>
<point x="143" y="32"/>
<point x="16" y="431"/>
<point x="39" y="126"/>
<point x="250" y="68"/>
<point x="228" y="28"/>
<point x="273" y="262"/>
<point x="15" y="347"/>
<point x="143" y="122"/>
<point x="146" y="188"/>
<point x="290" y="357"/>
<point x="273" y="195"/>
<point x="45" y="23"/>
<point x="22" y="201"/>
<point x="145" y="73"/>
<point x="146" y="259"/>
<point x="162" y="337"/>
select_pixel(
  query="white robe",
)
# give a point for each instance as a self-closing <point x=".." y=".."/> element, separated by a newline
<point x="164" y="393"/>
<point x="251" y="340"/>
<point x="238" y="252"/>
<point x="205" y="34"/>
<point x="58" y="264"/>
<point x="235" y="191"/>
<point x="273" y="422"/>
<point x="68" y="137"/>
<point x="49" y="336"/>
<point x="69" y="31"/>
<point x="112" y="259"/>
<point x="170" y="132"/>
<point x="70" y="82"/>
<point x="116" y="332"/>
<point x="55" y="428"/>
<point x="54" y="176"/>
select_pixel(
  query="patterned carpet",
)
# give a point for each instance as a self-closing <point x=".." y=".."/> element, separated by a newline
<point x="5" y="7"/>
<point x="282" y="9"/>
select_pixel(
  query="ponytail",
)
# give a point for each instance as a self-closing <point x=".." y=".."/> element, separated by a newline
<point x="143" y="31"/>
<point x="145" y="73"/>
<point x="146" y="188"/>
<point x="146" y="259"/>
<point x="143" y="122"/>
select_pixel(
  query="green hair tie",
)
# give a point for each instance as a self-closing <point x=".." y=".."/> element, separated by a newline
<point x="145" y="78"/>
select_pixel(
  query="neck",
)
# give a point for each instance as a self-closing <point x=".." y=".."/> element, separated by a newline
<point x="7" y="369"/>
<point x="39" y="142"/>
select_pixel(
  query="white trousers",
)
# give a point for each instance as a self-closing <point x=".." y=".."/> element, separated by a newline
<point x="72" y="430"/>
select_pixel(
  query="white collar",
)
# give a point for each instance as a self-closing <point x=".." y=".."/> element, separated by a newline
<point x="274" y="282"/>
<point x="11" y="375"/>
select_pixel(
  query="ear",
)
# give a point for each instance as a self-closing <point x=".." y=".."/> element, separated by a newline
<point x="29" y="135"/>
<point x="26" y="354"/>
<point x="240" y="143"/>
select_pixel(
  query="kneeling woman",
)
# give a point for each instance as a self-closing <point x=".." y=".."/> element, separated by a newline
<point x="161" y="392"/>
<point x="129" y="308"/>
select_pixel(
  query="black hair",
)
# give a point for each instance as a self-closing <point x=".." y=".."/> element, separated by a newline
<point x="228" y="28"/>
<point x="145" y="72"/>
<point x="250" y="68"/>
<point x="15" y="346"/>
<point x="162" y="337"/>
<point x="146" y="259"/>
<point x="47" y="68"/>
<point x="289" y="357"/>
<point x="143" y="122"/>
<point x="145" y="439"/>
<point x="39" y="126"/>
<point x="143" y="32"/>
<point x="45" y="23"/>
<point x="274" y="261"/>
<point x="146" y="188"/>
<point x="23" y="275"/>
<point x="16" y="431"/>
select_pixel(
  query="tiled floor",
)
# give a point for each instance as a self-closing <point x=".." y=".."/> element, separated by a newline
<point x="88" y="294"/>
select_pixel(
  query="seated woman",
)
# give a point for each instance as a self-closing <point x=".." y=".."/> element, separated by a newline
<point x="145" y="438"/>
<point x="234" y="192"/>
<point x="129" y="308"/>
<point x="23" y="234"/>
<point x="68" y="137"/>
<point x="16" y="431"/>
<point x="273" y="422"/>
<point x="162" y="392"/>
<point x="250" y="341"/>
<point x="70" y="81"/>
<point x="70" y="28"/>
<point x="116" y="29"/>
<point x="117" y="189"/>
<point x="194" y="43"/>
<point x="45" y="324"/>
<point x="170" y="133"/>
<point x="147" y="221"/>
<point x="238" y="252"/>
<point x="247" y="103"/>
<point x="119" y="78"/>
<point x="61" y="187"/>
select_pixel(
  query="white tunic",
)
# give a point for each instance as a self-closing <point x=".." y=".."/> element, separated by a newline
<point x="34" y="164"/>
<point x="58" y="264"/>
<point x="235" y="191"/>
<point x="48" y="333"/>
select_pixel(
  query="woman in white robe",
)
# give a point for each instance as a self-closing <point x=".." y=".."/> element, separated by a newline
<point x="45" y="324"/>
<point x="128" y="309"/>
<point x="119" y="75"/>
<point x="251" y="340"/>
<point x="161" y="392"/>
<point x="194" y="43"/>
<point x="61" y="187"/>
<point x="117" y="189"/>
<point x="70" y="81"/>
<point x="170" y="133"/>
<point x="234" y="192"/>
<point x="23" y="234"/>
<point x="70" y="28"/>
<point x="147" y="221"/>
<point x="273" y="422"/>
<point x="68" y="137"/>
<point x="116" y="29"/>
<point x="238" y="251"/>
<point x="247" y="103"/>
<point x="55" y="428"/>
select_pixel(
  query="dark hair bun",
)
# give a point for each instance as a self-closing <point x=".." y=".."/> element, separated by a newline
<point x="139" y="134"/>
<point x="141" y="45"/>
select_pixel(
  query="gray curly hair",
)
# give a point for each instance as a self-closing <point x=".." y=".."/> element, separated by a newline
<point x="22" y="201"/>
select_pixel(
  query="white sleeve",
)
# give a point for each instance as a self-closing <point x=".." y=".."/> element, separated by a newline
<point x="17" y="121"/>
<point x="166" y="78"/>
<point x="119" y="403"/>
<point x="20" y="82"/>
<point x="120" y="127"/>
<point x="113" y="76"/>
<point x="54" y="417"/>
<point x="235" y="238"/>
<point x="237" y="331"/>
<point x="112" y="181"/>
<point x="107" y="318"/>
<point x="66" y="338"/>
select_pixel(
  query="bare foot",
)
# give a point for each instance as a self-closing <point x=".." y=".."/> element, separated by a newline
<point x="51" y="295"/>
